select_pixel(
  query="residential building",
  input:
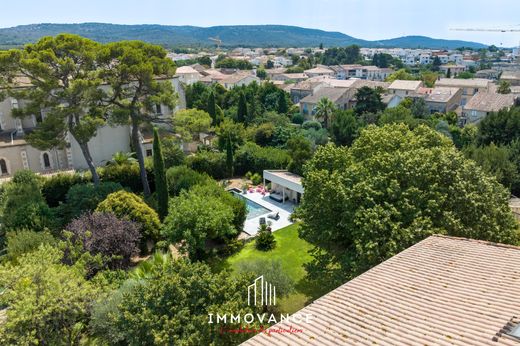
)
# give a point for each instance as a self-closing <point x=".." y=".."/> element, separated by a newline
<point x="296" y="77"/>
<point x="484" y="103"/>
<point x="404" y="88"/>
<point x="305" y="88"/>
<point x="319" y="71"/>
<point x="513" y="77"/>
<point x="440" y="291"/>
<point x="239" y="78"/>
<point x="188" y="75"/>
<point x="453" y="69"/>
<point x="443" y="99"/>
<point x="340" y="97"/>
<point x="469" y="86"/>
<point x="377" y="73"/>
<point x="425" y="59"/>
<point x="490" y="74"/>
<point x="273" y="72"/>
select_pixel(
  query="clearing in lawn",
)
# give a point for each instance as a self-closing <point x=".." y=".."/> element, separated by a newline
<point x="293" y="253"/>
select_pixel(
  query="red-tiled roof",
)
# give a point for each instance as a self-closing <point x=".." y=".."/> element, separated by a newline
<point x="441" y="291"/>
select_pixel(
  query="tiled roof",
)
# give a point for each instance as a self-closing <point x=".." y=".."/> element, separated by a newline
<point x="441" y="291"/>
<point x="332" y="94"/>
<point x="318" y="70"/>
<point x="441" y="94"/>
<point x="463" y="83"/>
<point x="489" y="102"/>
<point x="410" y="85"/>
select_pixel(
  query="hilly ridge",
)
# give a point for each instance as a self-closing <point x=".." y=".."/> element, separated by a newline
<point x="232" y="36"/>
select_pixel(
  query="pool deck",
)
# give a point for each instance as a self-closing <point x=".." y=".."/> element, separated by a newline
<point x="284" y="209"/>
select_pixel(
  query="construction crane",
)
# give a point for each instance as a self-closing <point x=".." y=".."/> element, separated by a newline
<point x="490" y="30"/>
<point x="217" y="41"/>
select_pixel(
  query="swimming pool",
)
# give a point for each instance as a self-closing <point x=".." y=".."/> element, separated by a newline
<point x="253" y="209"/>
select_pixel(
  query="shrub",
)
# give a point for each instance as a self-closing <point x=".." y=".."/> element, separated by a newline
<point x="99" y="233"/>
<point x="183" y="178"/>
<point x="55" y="188"/>
<point x="85" y="198"/>
<point x="126" y="205"/>
<point x="254" y="158"/>
<point x="23" y="206"/>
<point x="25" y="241"/>
<point x="298" y="119"/>
<point x="212" y="163"/>
<point x="128" y="175"/>
<point x="172" y="152"/>
<point x="312" y="124"/>
<point x="265" y="239"/>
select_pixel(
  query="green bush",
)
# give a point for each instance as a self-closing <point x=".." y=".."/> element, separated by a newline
<point x="128" y="175"/>
<point x="212" y="163"/>
<point x="55" y="188"/>
<point x="25" y="241"/>
<point x="126" y="205"/>
<point x="298" y="119"/>
<point x="85" y="198"/>
<point x="183" y="178"/>
<point x="265" y="239"/>
<point x="254" y="158"/>
<point x="23" y="205"/>
<point x="172" y="152"/>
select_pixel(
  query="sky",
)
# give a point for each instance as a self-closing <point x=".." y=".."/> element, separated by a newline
<point x="365" y="19"/>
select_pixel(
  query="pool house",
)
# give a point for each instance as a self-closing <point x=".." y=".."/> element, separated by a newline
<point x="285" y="186"/>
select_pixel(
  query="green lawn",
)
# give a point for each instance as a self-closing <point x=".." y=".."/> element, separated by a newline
<point x="293" y="253"/>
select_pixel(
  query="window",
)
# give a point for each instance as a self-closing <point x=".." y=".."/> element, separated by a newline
<point x="46" y="161"/>
<point x="158" y="109"/>
<point x="3" y="167"/>
<point x="149" y="152"/>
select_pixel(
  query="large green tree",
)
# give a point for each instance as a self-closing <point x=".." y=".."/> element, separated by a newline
<point x="189" y="123"/>
<point x="63" y="91"/>
<point x="230" y="137"/>
<point x="242" y="108"/>
<point x="161" y="184"/>
<point x="502" y="127"/>
<point x="392" y="188"/>
<point x="138" y="75"/>
<point x="345" y="128"/>
<point x="368" y="101"/>
<point x="48" y="302"/>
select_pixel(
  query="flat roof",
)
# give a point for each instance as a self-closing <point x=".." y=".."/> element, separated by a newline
<point x="286" y="175"/>
<point x="440" y="291"/>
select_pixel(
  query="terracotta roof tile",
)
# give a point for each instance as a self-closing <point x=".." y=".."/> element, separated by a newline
<point x="441" y="291"/>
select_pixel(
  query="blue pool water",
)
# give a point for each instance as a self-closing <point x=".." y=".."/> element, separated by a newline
<point x="253" y="209"/>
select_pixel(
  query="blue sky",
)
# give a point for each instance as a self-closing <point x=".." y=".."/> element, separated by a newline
<point x="366" y="19"/>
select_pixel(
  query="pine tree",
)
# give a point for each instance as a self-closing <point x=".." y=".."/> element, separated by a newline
<point x="448" y="74"/>
<point x="242" y="108"/>
<point x="282" y="103"/>
<point x="161" y="184"/>
<point x="212" y="110"/>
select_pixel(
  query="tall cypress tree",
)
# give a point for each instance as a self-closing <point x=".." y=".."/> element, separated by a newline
<point x="212" y="109"/>
<point x="161" y="185"/>
<point x="229" y="157"/>
<point x="282" y="103"/>
<point x="242" y="108"/>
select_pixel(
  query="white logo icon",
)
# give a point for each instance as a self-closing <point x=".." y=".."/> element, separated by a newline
<point x="266" y="291"/>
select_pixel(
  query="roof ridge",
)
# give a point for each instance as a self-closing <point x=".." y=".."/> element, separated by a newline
<point x="484" y="242"/>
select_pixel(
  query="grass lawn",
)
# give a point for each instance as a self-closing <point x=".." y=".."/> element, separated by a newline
<point x="293" y="253"/>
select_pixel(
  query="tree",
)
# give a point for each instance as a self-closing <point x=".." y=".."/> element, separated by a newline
<point x="24" y="241"/>
<point x="189" y="123"/>
<point x="172" y="307"/>
<point x="172" y="152"/>
<point x="345" y="128"/>
<point x="321" y="45"/>
<point x="183" y="178"/>
<point x="114" y="239"/>
<point x="419" y="108"/>
<point x="448" y="73"/>
<point x="391" y="189"/>
<point x="23" y="206"/>
<point x="61" y="71"/>
<point x="368" y="101"/>
<point x="122" y="159"/>
<point x="132" y="70"/>
<point x="261" y="73"/>
<point x="194" y="219"/>
<point x="128" y="206"/>
<point x="242" y="108"/>
<point x="230" y="137"/>
<point x="300" y="151"/>
<point x="401" y="74"/>
<point x="283" y="108"/>
<point x="264" y="240"/>
<point x="504" y="87"/>
<point x="436" y="64"/>
<point x="48" y="301"/>
<point x="269" y="64"/>
<point x="273" y="272"/>
<point x="212" y="109"/>
<point x="161" y="184"/>
<point x="496" y="161"/>
<point x="500" y="127"/>
<point x="325" y="110"/>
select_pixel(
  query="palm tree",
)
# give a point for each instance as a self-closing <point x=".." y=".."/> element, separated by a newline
<point x="158" y="260"/>
<point x="325" y="110"/>
<point x="121" y="158"/>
